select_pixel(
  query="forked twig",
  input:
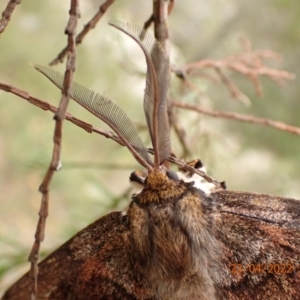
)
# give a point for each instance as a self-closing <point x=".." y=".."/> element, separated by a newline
<point x="6" y="14"/>
<point x="88" y="27"/>
<point x="232" y="63"/>
<point x="55" y="162"/>
<point x="235" y="92"/>
<point x="46" y="106"/>
<point x="161" y="31"/>
<point x="151" y="19"/>
<point x="249" y="63"/>
<point x="181" y="134"/>
<point x="239" y="117"/>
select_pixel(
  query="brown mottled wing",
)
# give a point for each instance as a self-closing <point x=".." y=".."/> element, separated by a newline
<point x="260" y="235"/>
<point x="95" y="264"/>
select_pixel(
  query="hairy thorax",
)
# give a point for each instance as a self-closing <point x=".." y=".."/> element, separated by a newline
<point x="171" y="232"/>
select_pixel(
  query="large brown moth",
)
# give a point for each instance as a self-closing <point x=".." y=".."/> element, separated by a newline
<point x="178" y="239"/>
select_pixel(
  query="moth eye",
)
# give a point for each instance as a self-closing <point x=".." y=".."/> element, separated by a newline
<point x="172" y="175"/>
<point x="136" y="177"/>
<point x="223" y="185"/>
<point x="145" y="181"/>
<point x="198" y="164"/>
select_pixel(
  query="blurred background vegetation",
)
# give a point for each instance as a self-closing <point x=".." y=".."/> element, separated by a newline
<point x="94" y="178"/>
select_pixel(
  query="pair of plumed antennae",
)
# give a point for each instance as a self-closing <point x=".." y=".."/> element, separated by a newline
<point x="155" y="101"/>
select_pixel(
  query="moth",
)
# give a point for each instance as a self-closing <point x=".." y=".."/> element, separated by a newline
<point x="178" y="239"/>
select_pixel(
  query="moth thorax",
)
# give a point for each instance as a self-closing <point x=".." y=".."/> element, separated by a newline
<point x="173" y="242"/>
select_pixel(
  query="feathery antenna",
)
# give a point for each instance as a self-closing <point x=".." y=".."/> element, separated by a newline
<point x="108" y="112"/>
<point x="156" y="91"/>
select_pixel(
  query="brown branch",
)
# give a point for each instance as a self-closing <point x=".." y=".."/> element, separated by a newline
<point x="249" y="64"/>
<point x="187" y="82"/>
<point x="86" y="29"/>
<point x="89" y="128"/>
<point x="160" y="16"/>
<point x="147" y="24"/>
<point x="190" y="169"/>
<point x="179" y="130"/>
<point x="235" y="92"/>
<point x="181" y="134"/>
<point x="48" y="107"/>
<point x="274" y="74"/>
<point x="6" y="14"/>
<point x="239" y="117"/>
<point x="171" y="6"/>
<point x="101" y="166"/>
<point x="161" y="9"/>
<point x="55" y="164"/>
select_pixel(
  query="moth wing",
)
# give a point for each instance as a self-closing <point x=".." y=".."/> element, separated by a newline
<point x="95" y="264"/>
<point x="260" y="235"/>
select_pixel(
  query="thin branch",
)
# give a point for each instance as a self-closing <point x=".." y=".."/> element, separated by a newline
<point x="147" y="24"/>
<point x="46" y="106"/>
<point x="160" y="17"/>
<point x="249" y="63"/>
<point x="55" y="162"/>
<point x="181" y="134"/>
<point x="6" y="14"/>
<point x="235" y="92"/>
<point x="161" y="7"/>
<point x="161" y="33"/>
<point x="161" y="10"/>
<point x="100" y="166"/>
<point x="182" y="164"/>
<point x="240" y="117"/>
<point x="187" y="83"/>
<point x="86" y="29"/>
<point x="179" y="130"/>
<point x="238" y="64"/>
<point x="171" y="6"/>
<point x="90" y="128"/>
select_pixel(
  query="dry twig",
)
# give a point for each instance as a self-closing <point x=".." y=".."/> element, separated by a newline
<point x="236" y="64"/>
<point x="235" y="92"/>
<point x="46" y="106"/>
<point x="249" y="63"/>
<point x="90" y="128"/>
<point x="181" y="134"/>
<point x="170" y="7"/>
<point x="239" y="117"/>
<point x="55" y="162"/>
<point x="88" y="27"/>
<point x="161" y="10"/>
<point x="100" y="166"/>
<point x="69" y="117"/>
<point x="6" y="15"/>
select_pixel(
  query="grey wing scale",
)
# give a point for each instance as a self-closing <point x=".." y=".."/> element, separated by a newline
<point x="103" y="108"/>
